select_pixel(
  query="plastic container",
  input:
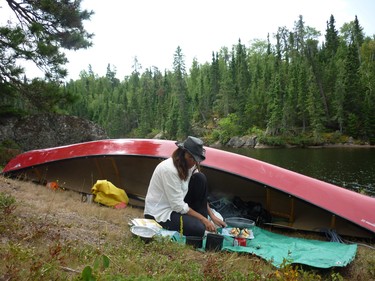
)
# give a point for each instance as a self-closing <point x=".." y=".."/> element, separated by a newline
<point x="240" y="222"/>
<point x="87" y="198"/>
<point x="214" y="242"/>
<point x="195" y="241"/>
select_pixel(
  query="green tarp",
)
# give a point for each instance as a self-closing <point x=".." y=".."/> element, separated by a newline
<point x="276" y="248"/>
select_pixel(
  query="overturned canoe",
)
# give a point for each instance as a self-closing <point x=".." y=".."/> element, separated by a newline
<point x="294" y="200"/>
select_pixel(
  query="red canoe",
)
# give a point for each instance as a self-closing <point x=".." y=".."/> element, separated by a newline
<point x="294" y="200"/>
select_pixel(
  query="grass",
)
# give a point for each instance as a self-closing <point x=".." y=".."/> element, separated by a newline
<point x="52" y="235"/>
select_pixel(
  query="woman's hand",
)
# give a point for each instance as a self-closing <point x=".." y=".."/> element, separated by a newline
<point x="207" y="223"/>
<point x="210" y="226"/>
<point x="218" y="221"/>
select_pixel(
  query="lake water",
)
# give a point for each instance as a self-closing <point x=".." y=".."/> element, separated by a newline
<point x="352" y="168"/>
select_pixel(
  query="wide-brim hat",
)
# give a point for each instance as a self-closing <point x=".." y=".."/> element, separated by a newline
<point x="195" y="147"/>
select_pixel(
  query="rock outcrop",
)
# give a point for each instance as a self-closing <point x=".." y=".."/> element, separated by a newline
<point x="244" y="141"/>
<point x="48" y="130"/>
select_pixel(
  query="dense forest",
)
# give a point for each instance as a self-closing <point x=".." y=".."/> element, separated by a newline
<point x="292" y="84"/>
<point x="293" y="87"/>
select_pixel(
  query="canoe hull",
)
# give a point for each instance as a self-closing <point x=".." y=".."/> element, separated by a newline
<point x="298" y="201"/>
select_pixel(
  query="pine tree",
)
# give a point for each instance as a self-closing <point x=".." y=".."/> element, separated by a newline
<point x="328" y="61"/>
<point x="331" y="39"/>
<point x="367" y="72"/>
<point x="242" y="82"/>
<point x="225" y="99"/>
<point x="43" y="30"/>
<point x="181" y="94"/>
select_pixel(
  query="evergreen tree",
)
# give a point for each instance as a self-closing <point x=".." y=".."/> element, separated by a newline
<point x="312" y="54"/>
<point x="328" y="61"/>
<point x="303" y="72"/>
<point x="133" y="97"/>
<point x="193" y="81"/>
<point x="242" y="82"/>
<point x="256" y="107"/>
<point x="204" y="92"/>
<point x="111" y="76"/>
<point x="331" y="43"/>
<point x="43" y="29"/>
<point x="215" y="81"/>
<point x="147" y="103"/>
<point x="358" y="36"/>
<point x="274" y="108"/>
<point x="315" y="108"/>
<point x="353" y="94"/>
<point x="367" y="72"/>
<point x="181" y="94"/>
<point x="225" y="101"/>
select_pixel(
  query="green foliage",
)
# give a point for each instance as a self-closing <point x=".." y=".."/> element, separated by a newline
<point x="288" y="271"/>
<point x="334" y="138"/>
<point x="10" y="111"/>
<point x="371" y="268"/>
<point x="229" y="127"/>
<point x="255" y="131"/>
<point x="92" y="273"/>
<point x="7" y="203"/>
<point x="272" y="140"/>
<point x="10" y="144"/>
<point x="353" y="127"/>
<point x="42" y="30"/>
<point x="8" y="150"/>
<point x="300" y="140"/>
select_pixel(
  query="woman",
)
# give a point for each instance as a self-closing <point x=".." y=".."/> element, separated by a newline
<point x="178" y="192"/>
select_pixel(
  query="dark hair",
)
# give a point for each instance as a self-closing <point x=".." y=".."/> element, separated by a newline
<point x="180" y="163"/>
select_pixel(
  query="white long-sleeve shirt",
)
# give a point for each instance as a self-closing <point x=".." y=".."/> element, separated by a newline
<point x="166" y="192"/>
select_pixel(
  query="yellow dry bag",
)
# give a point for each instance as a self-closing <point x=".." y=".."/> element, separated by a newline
<point x="107" y="194"/>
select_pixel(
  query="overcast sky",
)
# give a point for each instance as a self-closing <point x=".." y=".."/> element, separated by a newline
<point x="151" y="30"/>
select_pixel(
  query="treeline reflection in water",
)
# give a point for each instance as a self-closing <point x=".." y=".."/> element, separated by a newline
<point x="351" y="168"/>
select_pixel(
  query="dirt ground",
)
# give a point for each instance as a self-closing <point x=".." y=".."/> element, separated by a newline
<point x="66" y="213"/>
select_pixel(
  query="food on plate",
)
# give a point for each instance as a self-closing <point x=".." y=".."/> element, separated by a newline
<point x="240" y="233"/>
<point x="245" y="233"/>
<point x="235" y="231"/>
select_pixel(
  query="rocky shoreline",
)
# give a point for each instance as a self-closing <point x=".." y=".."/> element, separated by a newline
<point x="51" y="130"/>
<point x="251" y="142"/>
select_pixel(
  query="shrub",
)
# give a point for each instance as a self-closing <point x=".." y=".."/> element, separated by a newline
<point x="7" y="203"/>
<point x="229" y="127"/>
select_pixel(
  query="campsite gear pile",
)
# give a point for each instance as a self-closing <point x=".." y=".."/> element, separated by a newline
<point x="269" y="246"/>
<point x="239" y="208"/>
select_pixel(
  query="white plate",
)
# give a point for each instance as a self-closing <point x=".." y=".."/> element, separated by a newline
<point x="143" y="231"/>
